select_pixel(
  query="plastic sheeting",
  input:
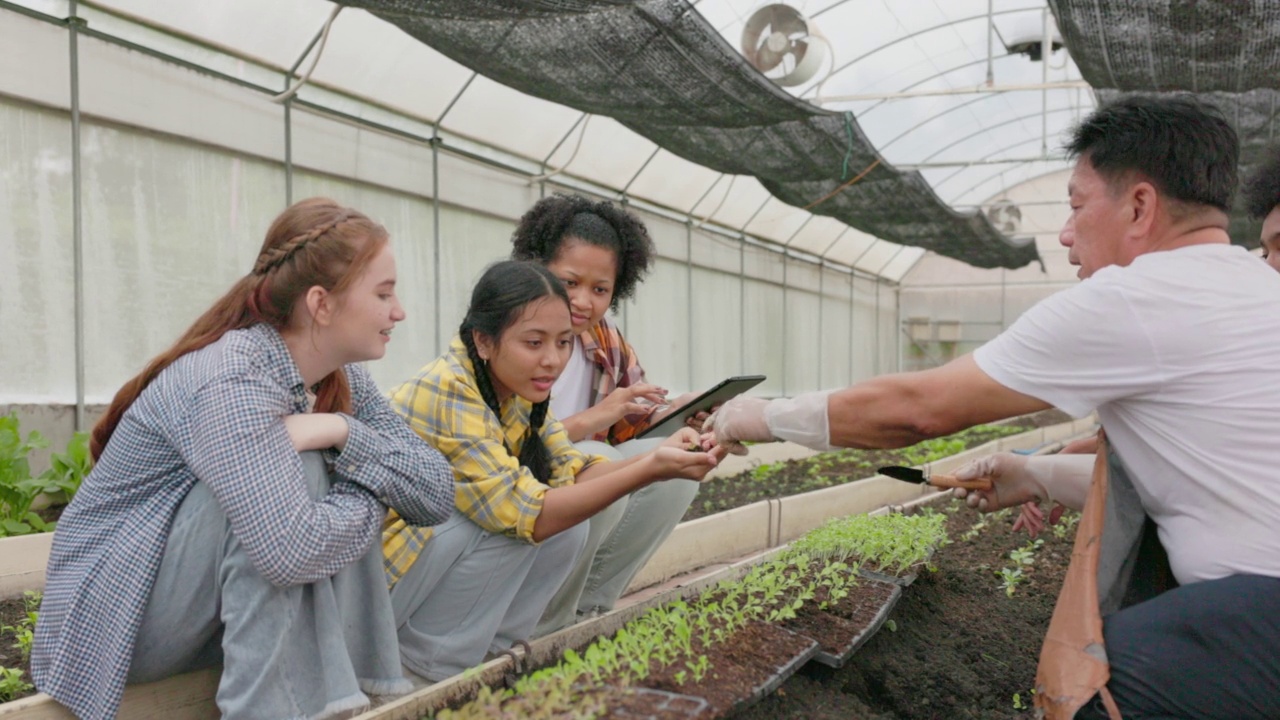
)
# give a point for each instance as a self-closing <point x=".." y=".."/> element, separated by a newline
<point x="661" y="70"/>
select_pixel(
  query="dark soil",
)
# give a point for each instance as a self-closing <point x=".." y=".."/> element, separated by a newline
<point x="844" y="626"/>
<point x="740" y="667"/>
<point x="961" y="647"/>
<point x="833" y="468"/>
<point x="12" y="613"/>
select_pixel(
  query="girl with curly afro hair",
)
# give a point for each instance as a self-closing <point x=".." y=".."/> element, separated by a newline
<point x="601" y="253"/>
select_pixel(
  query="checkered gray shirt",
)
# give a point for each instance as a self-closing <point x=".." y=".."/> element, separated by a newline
<point x="215" y="415"/>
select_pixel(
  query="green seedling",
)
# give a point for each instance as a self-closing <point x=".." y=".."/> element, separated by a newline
<point x="1010" y="578"/>
<point x="12" y="685"/>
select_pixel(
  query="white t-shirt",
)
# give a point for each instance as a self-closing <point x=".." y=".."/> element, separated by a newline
<point x="1180" y="354"/>
<point x="571" y="393"/>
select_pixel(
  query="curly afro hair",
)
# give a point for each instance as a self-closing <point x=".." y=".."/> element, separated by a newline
<point x="553" y="220"/>
<point x="1262" y="189"/>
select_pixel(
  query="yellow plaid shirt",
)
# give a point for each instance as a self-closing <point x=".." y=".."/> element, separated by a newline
<point x="443" y="405"/>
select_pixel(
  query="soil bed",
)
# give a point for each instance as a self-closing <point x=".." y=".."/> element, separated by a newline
<point x="739" y="668"/>
<point x="961" y="647"/>
<point x="13" y="612"/>
<point x="844" y="625"/>
<point x="835" y="468"/>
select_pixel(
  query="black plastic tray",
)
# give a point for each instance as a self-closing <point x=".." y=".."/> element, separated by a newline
<point x="836" y="660"/>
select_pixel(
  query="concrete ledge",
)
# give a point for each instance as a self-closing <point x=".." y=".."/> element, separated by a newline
<point x="22" y="563"/>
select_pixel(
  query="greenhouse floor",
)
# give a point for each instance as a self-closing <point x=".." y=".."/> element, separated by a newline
<point x="958" y="646"/>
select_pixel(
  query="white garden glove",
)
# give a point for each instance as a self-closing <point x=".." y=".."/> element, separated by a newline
<point x="801" y="419"/>
<point x="1016" y="479"/>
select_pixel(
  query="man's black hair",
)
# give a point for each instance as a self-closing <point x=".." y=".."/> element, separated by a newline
<point x="1181" y="145"/>
<point x="1262" y="189"/>
<point x="552" y="220"/>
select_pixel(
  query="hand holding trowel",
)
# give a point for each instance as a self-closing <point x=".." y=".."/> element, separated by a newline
<point x="910" y="474"/>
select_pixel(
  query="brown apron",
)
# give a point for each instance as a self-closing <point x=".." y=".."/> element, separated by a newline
<point x="1073" y="662"/>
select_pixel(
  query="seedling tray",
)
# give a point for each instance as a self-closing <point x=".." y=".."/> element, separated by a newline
<point x="838" y="659"/>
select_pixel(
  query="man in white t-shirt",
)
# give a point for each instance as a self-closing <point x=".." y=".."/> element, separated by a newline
<point x="1172" y="338"/>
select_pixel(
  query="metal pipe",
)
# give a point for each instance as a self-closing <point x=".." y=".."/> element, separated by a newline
<point x="976" y="163"/>
<point x="1019" y="87"/>
<point x="822" y="297"/>
<point x="288" y="148"/>
<point x="853" y="322"/>
<point x="288" y="117"/>
<point x="688" y="267"/>
<point x="635" y="177"/>
<point x="1046" y="49"/>
<point x="935" y="76"/>
<point x="742" y="305"/>
<point x="941" y="26"/>
<point x="441" y="339"/>
<point x="784" y="342"/>
<point x="991" y="26"/>
<point x="74" y="25"/>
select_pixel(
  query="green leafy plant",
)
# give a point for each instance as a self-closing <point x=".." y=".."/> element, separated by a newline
<point x="18" y="489"/>
<point x="24" y="632"/>
<point x="1062" y="529"/>
<point x="1010" y="578"/>
<point x="12" y="685"/>
<point x="1026" y="555"/>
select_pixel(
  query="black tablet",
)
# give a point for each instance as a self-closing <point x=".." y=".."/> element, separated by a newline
<point x="723" y="391"/>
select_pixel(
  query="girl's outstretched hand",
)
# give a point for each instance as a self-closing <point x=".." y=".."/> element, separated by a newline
<point x="682" y="455"/>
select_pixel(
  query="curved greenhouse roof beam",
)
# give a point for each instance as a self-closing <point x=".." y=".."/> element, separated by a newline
<point x="989" y="128"/>
<point x="797" y="232"/>
<point x="827" y="249"/>
<point x="546" y="161"/>
<point x="937" y="75"/>
<point x="925" y="31"/>
<point x="933" y="117"/>
<point x="1002" y="171"/>
<point x="657" y="149"/>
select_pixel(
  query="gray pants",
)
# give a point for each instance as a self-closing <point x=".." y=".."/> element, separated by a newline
<point x="472" y="591"/>
<point x="307" y="651"/>
<point x="621" y="540"/>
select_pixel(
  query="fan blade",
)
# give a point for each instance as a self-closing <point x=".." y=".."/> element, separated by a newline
<point x="766" y="59"/>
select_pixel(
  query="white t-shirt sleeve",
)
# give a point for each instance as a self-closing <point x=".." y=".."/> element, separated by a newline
<point x="1077" y="349"/>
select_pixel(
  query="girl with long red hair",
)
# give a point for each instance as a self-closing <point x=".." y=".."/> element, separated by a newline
<point x="241" y="482"/>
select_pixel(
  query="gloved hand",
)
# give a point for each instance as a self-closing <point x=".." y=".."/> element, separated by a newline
<point x="801" y="419"/>
<point x="1016" y="479"/>
<point x="742" y="418"/>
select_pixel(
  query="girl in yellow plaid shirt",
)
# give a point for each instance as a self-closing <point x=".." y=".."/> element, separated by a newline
<point x="480" y="582"/>
<point x="601" y="253"/>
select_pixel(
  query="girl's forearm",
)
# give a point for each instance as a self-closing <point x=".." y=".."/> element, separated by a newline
<point x="596" y="488"/>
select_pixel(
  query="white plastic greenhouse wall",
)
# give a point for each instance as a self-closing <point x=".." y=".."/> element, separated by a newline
<point x="180" y="167"/>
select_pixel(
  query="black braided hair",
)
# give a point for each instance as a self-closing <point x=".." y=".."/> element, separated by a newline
<point x="497" y="301"/>
<point x="552" y="220"/>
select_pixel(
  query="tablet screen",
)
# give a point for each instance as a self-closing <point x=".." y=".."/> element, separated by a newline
<point x="724" y="390"/>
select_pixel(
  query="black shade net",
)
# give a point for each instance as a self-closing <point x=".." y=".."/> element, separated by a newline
<point x="1227" y="52"/>
<point x="660" y="69"/>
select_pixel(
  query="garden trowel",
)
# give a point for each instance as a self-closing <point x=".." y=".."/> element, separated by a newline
<point x="910" y="474"/>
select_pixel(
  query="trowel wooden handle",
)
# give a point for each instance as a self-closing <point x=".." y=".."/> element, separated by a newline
<point x="950" y="481"/>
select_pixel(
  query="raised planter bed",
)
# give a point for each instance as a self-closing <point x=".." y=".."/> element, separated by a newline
<point x="963" y="648"/>
<point x="721" y="537"/>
